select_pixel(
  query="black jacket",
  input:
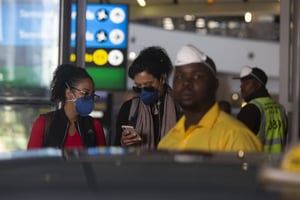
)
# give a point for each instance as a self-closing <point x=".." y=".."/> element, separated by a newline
<point x="250" y="114"/>
<point x="56" y="129"/>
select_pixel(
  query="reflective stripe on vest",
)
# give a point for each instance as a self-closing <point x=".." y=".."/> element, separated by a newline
<point x="273" y="124"/>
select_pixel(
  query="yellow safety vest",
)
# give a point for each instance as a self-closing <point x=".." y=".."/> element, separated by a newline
<point x="273" y="126"/>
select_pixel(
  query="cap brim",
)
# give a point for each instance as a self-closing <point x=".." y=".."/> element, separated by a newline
<point x="245" y="78"/>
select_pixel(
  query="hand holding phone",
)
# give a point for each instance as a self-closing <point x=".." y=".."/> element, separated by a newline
<point x="127" y="127"/>
<point x="129" y="136"/>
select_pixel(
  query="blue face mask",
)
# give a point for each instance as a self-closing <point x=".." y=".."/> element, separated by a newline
<point x="84" y="105"/>
<point x="148" y="97"/>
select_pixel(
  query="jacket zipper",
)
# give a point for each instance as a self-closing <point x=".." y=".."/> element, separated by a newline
<point x="66" y="132"/>
<point x="79" y="132"/>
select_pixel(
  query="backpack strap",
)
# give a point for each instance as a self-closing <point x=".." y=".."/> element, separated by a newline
<point x="48" y="121"/>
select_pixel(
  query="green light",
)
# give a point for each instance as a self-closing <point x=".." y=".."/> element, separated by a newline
<point x="108" y="78"/>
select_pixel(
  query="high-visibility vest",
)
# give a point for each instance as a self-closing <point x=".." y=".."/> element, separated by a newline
<point x="273" y="126"/>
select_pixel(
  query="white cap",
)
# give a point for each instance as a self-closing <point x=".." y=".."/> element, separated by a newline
<point x="190" y="54"/>
<point x="245" y="71"/>
<point x="248" y="72"/>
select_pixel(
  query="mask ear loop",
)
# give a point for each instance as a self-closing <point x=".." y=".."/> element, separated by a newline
<point x="68" y="87"/>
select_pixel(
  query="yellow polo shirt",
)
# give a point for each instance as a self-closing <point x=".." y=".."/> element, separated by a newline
<point x="216" y="131"/>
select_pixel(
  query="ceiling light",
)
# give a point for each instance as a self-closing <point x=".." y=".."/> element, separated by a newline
<point x="213" y="24"/>
<point x="168" y="23"/>
<point x="189" y="17"/>
<point x="200" y="23"/>
<point x="169" y="27"/>
<point x="131" y="56"/>
<point x="141" y="3"/>
<point x="233" y="25"/>
<point x="248" y="17"/>
<point x="167" y="20"/>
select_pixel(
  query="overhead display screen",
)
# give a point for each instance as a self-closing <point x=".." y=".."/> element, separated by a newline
<point x="106" y="44"/>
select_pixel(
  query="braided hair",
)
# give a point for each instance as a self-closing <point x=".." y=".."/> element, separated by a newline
<point x="66" y="75"/>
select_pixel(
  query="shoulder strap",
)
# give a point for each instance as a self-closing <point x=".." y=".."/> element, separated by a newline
<point x="87" y="131"/>
<point x="48" y="121"/>
<point x="133" y="111"/>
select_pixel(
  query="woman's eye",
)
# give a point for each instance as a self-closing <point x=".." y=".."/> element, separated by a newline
<point x="86" y="93"/>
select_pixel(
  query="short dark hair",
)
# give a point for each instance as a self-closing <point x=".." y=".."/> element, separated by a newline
<point x="153" y="60"/>
<point x="66" y="75"/>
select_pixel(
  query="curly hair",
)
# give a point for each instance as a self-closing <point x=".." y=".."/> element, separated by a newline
<point x="66" y="75"/>
<point x="153" y="60"/>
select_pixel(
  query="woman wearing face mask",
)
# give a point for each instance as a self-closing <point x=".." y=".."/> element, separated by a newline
<point x="153" y="112"/>
<point x="69" y="126"/>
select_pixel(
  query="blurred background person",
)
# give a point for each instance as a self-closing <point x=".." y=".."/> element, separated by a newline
<point x="69" y="126"/>
<point x="202" y="126"/>
<point x="153" y="112"/>
<point x="263" y="115"/>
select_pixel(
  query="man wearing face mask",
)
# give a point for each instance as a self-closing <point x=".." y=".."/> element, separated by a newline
<point x="69" y="126"/>
<point x="153" y="112"/>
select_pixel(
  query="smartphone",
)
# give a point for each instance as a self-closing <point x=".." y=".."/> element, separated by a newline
<point x="131" y="129"/>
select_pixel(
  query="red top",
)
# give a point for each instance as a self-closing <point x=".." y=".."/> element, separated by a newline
<point x="74" y="141"/>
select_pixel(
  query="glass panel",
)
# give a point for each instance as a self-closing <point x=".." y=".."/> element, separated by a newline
<point x="29" y="47"/>
<point x="15" y="125"/>
<point x="29" y="32"/>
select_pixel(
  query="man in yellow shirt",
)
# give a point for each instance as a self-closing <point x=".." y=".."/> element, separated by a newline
<point x="203" y="126"/>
